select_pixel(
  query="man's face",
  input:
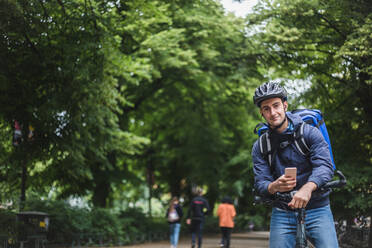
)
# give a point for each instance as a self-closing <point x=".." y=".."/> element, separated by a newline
<point x="273" y="110"/>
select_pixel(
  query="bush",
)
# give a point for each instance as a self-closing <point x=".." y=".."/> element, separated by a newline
<point x="211" y="224"/>
<point x="97" y="226"/>
<point x="66" y="222"/>
<point x="135" y="224"/>
<point x="244" y="222"/>
<point x="7" y="222"/>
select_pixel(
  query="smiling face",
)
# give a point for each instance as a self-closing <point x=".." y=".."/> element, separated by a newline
<point x="273" y="110"/>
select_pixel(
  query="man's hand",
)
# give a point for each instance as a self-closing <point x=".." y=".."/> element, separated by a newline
<point x="188" y="221"/>
<point x="282" y="184"/>
<point x="302" y="197"/>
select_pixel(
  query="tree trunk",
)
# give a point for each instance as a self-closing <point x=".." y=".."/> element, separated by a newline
<point x="370" y="235"/>
<point x="23" y="186"/>
<point x="175" y="180"/>
<point x="212" y="196"/>
<point x="101" y="193"/>
<point x="365" y="94"/>
<point x="102" y="189"/>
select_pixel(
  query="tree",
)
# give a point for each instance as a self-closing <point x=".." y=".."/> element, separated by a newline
<point x="191" y="106"/>
<point x="58" y="71"/>
<point x="159" y="86"/>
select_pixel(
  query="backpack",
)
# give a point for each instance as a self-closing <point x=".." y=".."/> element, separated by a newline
<point x="312" y="117"/>
<point x="173" y="215"/>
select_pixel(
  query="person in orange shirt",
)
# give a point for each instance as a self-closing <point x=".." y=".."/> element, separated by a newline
<point x="226" y="213"/>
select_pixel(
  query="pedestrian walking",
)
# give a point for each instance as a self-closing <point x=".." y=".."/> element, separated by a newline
<point x="174" y="215"/>
<point x="195" y="217"/>
<point x="226" y="213"/>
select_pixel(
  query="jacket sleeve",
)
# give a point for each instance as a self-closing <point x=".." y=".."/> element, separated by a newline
<point x="320" y="157"/>
<point x="189" y="211"/>
<point x="179" y="211"/>
<point x="206" y="204"/>
<point x="261" y="170"/>
<point x="234" y="211"/>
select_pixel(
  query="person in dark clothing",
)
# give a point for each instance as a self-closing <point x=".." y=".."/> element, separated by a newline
<point x="195" y="217"/>
<point x="174" y="215"/>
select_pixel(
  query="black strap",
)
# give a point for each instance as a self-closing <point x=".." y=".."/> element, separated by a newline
<point x="320" y="123"/>
<point x="270" y="143"/>
<point x="266" y="147"/>
<point x="269" y="150"/>
<point x="299" y="140"/>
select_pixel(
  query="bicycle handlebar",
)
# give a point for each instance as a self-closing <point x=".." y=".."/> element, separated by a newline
<point x="287" y="196"/>
<point x="341" y="182"/>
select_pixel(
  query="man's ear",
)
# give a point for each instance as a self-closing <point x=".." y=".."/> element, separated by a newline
<point x="285" y="106"/>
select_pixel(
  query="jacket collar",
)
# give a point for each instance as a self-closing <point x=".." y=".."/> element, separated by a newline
<point x="295" y="119"/>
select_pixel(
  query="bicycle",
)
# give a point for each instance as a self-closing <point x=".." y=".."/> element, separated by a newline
<point x="350" y="235"/>
<point x="285" y="197"/>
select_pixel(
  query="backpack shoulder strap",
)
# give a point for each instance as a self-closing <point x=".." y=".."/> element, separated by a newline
<point x="265" y="147"/>
<point x="299" y="140"/>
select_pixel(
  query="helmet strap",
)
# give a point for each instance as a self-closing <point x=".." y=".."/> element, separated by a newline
<point x="280" y="125"/>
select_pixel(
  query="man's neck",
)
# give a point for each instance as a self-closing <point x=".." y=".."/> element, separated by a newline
<point x="283" y="127"/>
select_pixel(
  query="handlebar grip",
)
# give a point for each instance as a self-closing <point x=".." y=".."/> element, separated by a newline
<point x="333" y="184"/>
<point x="262" y="200"/>
<point x="336" y="184"/>
<point x="341" y="176"/>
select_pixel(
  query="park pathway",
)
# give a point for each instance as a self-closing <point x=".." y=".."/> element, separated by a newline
<point x="238" y="240"/>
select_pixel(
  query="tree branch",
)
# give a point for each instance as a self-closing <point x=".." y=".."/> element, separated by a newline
<point x="331" y="25"/>
<point x="62" y="6"/>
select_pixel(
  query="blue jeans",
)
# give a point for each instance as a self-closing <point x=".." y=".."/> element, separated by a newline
<point x="174" y="233"/>
<point x="319" y="223"/>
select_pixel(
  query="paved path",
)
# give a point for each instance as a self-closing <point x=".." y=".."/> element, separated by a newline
<point x="238" y="240"/>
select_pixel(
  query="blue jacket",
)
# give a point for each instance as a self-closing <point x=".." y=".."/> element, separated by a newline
<point x="317" y="167"/>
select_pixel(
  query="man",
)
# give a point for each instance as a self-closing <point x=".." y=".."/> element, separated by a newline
<point x="198" y="209"/>
<point x="313" y="171"/>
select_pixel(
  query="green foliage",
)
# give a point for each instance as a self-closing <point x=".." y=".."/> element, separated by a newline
<point x="60" y="72"/>
<point x="67" y="223"/>
<point x="104" y="222"/>
<point x="245" y="222"/>
<point x="134" y="220"/>
<point x="103" y="82"/>
<point x="7" y="220"/>
<point x="194" y="110"/>
<point x="121" y="92"/>
<point x="211" y="224"/>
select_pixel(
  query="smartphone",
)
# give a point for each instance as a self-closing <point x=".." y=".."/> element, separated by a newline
<point x="291" y="172"/>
